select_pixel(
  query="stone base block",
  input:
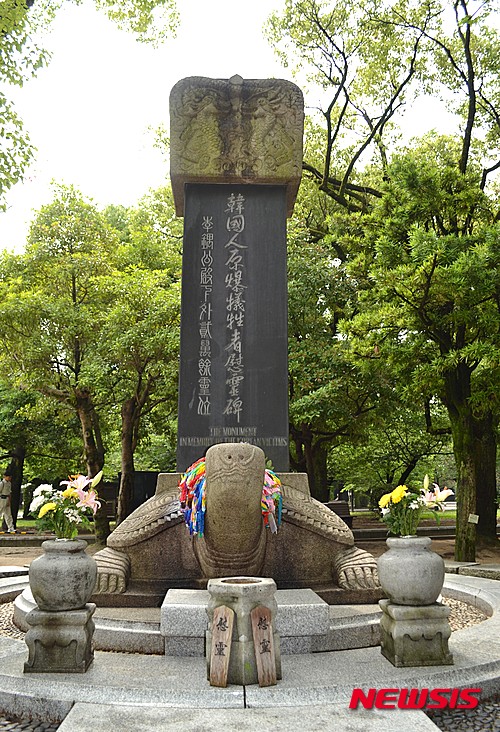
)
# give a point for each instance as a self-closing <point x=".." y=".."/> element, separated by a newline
<point x="184" y="646"/>
<point x="60" y="642"/>
<point x="415" y="635"/>
<point x="302" y="621"/>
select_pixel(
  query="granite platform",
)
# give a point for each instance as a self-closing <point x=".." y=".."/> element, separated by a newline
<point x="144" y="692"/>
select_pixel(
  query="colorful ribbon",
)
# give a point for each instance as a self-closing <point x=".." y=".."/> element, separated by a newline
<point x="193" y="498"/>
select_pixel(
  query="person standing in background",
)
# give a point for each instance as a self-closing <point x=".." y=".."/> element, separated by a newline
<point x="5" y="499"/>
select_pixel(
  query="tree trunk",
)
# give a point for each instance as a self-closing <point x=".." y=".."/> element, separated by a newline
<point x="94" y="454"/>
<point x="92" y="443"/>
<point x="126" y="490"/>
<point x="15" y="467"/>
<point x="486" y="491"/>
<point x="312" y="459"/>
<point x="474" y="447"/>
<point x="316" y="457"/>
<point x="465" y="542"/>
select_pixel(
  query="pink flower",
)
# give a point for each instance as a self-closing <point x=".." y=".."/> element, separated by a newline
<point x="88" y="499"/>
<point x="77" y="481"/>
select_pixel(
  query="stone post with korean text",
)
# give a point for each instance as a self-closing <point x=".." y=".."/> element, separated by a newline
<point x="236" y="160"/>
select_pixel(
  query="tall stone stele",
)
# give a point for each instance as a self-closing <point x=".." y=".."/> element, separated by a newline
<point x="236" y="161"/>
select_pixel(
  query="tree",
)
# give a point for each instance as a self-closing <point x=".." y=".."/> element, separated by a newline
<point x="35" y="437"/>
<point x="437" y="283"/>
<point x="396" y="450"/>
<point x="332" y="399"/>
<point x="140" y="335"/>
<point x="22" y="26"/>
<point x="53" y="310"/>
<point x="370" y="58"/>
<point x="21" y="59"/>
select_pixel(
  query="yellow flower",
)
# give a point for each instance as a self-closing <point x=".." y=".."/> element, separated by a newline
<point x="385" y="500"/>
<point x="398" y="493"/>
<point x="70" y="493"/>
<point x="46" y="508"/>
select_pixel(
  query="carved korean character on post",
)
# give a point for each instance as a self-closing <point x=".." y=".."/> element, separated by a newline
<point x="222" y="632"/>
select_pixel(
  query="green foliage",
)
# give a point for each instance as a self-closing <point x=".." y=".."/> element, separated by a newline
<point x="90" y="320"/>
<point x="152" y="21"/>
<point x="21" y="58"/>
<point x="415" y="229"/>
<point x="53" y="312"/>
<point x="49" y="435"/>
<point x="396" y="449"/>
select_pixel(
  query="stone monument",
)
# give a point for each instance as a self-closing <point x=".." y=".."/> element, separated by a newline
<point x="152" y="550"/>
<point x="236" y="161"/>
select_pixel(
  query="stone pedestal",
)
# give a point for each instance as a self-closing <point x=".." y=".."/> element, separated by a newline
<point x="415" y="635"/>
<point x="242" y="595"/>
<point x="60" y="642"/>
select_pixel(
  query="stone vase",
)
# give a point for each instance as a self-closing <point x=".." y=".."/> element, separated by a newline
<point x="409" y="572"/>
<point x="64" y="577"/>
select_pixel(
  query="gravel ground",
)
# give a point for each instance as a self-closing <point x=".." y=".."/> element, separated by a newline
<point x="485" y="718"/>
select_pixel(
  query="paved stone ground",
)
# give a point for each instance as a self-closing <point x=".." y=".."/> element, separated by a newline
<point x="12" y="725"/>
<point x="486" y="718"/>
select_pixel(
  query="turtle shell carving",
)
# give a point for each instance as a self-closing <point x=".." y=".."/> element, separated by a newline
<point x="313" y="546"/>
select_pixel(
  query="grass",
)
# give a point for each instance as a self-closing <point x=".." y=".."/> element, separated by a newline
<point x="449" y="514"/>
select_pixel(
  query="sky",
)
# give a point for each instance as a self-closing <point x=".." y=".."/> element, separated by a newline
<point x="90" y="111"/>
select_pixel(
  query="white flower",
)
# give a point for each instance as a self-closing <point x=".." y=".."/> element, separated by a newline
<point x="73" y="516"/>
<point x="44" y="488"/>
<point x="415" y="505"/>
<point x="37" y="503"/>
<point x="436" y="498"/>
<point x="385" y="511"/>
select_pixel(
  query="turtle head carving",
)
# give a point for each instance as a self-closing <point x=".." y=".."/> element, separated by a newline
<point x="234" y="530"/>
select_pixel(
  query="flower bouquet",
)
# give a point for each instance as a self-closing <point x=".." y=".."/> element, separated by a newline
<point x="402" y="509"/>
<point x="64" y="511"/>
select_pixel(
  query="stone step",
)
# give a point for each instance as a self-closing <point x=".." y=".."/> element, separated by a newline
<point x="305" y="623"/>
<point x="304" y="627"/>
<point x="100" y="717"/>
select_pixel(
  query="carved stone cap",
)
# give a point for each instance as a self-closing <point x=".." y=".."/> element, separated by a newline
<point x="235" y="131"/>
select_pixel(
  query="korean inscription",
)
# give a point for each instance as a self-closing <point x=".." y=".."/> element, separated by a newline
<point x="235" y="304"/>
<point x="233" y="364"/>
<point x="205" y="315"/>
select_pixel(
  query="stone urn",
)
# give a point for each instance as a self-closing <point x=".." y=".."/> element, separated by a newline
<point x="409" y="572"/>
<point x="64" y="577"/>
